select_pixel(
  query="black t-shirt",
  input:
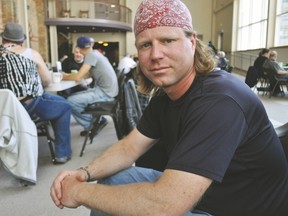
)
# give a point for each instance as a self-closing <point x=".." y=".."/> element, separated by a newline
<point x="70" y="64"/>
<point x="219" y="129"/>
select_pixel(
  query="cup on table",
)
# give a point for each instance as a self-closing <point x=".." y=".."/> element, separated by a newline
<point x="57" y="77"/>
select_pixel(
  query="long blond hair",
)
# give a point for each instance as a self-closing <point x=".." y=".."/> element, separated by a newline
<point x="204" y="63"/>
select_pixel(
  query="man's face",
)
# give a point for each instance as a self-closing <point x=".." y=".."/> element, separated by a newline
<point x="165" y="55"/>
<point x="77" y="55"/>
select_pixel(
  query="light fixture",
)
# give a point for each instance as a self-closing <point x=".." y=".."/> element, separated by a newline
<point x="100" y="42"/>
<point x="105" y="44"/>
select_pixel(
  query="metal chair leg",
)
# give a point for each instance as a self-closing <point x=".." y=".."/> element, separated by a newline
<point x="84" y="145"/>
<point x="89" y="134"/>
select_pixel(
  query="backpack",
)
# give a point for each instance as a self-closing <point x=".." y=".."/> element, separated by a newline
<point x="251" y="76"/>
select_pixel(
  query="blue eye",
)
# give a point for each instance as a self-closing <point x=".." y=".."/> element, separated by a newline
<point x="169" y="40"/>
<point x="145" y="45"/>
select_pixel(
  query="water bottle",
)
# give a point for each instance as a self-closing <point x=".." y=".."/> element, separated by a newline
<point x="59" y="67"/>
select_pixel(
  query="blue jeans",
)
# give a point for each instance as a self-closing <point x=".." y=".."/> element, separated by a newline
<point x="137" y="174"/>
<point x="58" y="111"/>
<point x="80" y="100"/>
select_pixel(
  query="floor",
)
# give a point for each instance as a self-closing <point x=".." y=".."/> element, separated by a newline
<point x="35" y="200"/>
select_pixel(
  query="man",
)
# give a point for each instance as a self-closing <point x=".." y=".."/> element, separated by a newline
<point x="224" y="157"/>
<point x="73" y="64"/>
<point x="25" y="76"/>
<point x="274" y="70"/>
<point x="126" y="64"/>
<point x="272" y="64"/>
<point x="105" y="83"/>
<point x="222" y="62"/>
<point x="259" y="61"/>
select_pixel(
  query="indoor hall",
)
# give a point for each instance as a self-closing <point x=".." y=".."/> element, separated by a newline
<point x="218" y="27"/>
<point x="35" y="200"/>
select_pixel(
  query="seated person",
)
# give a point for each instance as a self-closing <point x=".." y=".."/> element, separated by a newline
<point x="222" y="62"/>
<point x="27" y="85"/>
<point x="259" y="61"/>
<point x="227" y="163"/>
<point x="105" y="86"/>
<point x="272" y="64"/>
<point x="212" y="48"/>
<point x="73" y="64"/>
<point x="126" y="64"/>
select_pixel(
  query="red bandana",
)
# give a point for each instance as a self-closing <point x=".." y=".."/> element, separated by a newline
<point x="155" y="13"/>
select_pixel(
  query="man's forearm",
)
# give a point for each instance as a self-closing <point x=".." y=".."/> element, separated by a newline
<point x="113" y="160"/>
<point x="174" y="193"/>
<point x="133" y="199"/>
<point x="120" y="155"/>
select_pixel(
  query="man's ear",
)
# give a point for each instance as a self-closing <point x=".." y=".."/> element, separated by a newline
<point x="193" y="39"/>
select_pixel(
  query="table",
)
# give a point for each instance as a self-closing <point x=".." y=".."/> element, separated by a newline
<point x="64" y="84"/>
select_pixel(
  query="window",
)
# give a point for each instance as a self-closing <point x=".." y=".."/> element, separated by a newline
<point x="252" y="26"/>
<point x="281" y="31"/>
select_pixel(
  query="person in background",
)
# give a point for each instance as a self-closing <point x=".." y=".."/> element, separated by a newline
<point x="223" y="155"/>
<point x="126" y="64"/>
<point x="272" y="64"/>
<point x="212" y="48"/>
<point x="222" y="62"/>
<point x="259" y="61"/>
<point x="73" y="64"/>
<point x="105" y="86"/>
<point x="28" y="84"/>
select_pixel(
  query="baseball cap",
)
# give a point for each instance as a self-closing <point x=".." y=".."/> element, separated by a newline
<point x="84" y="42"/>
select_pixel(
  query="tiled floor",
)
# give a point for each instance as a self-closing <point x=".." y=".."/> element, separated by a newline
<point x="35" y="200"/>
<point x="276" y="106"/>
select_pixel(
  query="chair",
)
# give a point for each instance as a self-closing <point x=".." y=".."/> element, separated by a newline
<point x="279" y="83"/>
<point x="111" y="108"/>
<point x="43" y="130"/>
<point x="282" y="133"/>
<point x="264" y="84"/>
<point x="276" y="82"/>
<point x="229" y="68"/>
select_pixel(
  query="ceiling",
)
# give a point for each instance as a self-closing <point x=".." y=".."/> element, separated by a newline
<point x="75" y="25"/>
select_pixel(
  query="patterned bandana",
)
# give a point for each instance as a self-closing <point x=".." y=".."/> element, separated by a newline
<point x="155" y="13"/>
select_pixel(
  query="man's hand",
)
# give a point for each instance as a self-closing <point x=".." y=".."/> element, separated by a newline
<point x="56" y="191"/>
<point x="65" y="75"/>
<point x="70" y="187"/>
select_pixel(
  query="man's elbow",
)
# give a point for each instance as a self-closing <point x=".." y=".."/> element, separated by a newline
<point x="46" y="82"/>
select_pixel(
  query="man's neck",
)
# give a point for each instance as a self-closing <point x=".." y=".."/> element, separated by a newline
<point x="179" y="89"/>
<point x="79" y="61"/>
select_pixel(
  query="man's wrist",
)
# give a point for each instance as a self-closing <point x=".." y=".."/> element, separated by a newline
<point x="87" y="173"/>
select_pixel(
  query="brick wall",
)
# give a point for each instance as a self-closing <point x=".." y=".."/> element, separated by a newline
<point x="36" y="16"/>
<point x="37" y="29"/>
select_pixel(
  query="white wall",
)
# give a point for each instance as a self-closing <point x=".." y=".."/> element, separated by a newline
<point x="202" y="17"/>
